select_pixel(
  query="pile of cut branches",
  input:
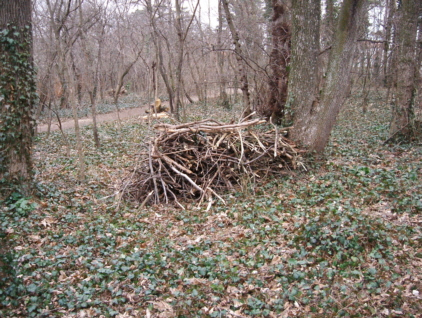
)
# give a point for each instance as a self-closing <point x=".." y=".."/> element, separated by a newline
<point x="199" y="160"/>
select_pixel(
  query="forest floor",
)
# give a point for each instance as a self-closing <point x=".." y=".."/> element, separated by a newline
<point x="342" y="239"/>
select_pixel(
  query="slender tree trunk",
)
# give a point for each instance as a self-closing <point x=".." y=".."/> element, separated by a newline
<point x="120" y="83"/>
<point x="79" y="147"/>
<point x="93" y="94"/>
<point x="59" y="13"/>
<point x="92" y="70"/>
<point x="181" y="35"/>
<point x="158" y="48"/>
<point x="195" y="79"/>
<point x="389" y="15"/>
<point x="154" y="80"/>
<point x="224" y="99"/>
<point x="17" y="94"/>
<point x="241" y="65"/>
<point x="418" y="110"/>
<point x="93" y="99"/>
<point x="73" y="93"/>
<point x="366" y="78"/>
<point x="187" y="94"/>
<point x="180" y="52"/>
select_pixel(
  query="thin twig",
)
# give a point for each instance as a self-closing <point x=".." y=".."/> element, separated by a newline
<point x="151" y="169"/>
<point x="209" y="157"/>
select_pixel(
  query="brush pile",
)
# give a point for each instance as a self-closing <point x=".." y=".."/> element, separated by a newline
<point x="199" y="160"/>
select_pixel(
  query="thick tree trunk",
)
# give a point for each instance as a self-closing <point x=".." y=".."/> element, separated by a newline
<point x="304" y="67"/>
<point x="279" y="59"/>
<point x="405" y="72"/>
<point x="337" y="85"/>
<point x="315" y="120"/>
<point x="17" y="93"/>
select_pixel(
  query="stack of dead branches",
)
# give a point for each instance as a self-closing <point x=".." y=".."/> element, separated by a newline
<point x="199" y="160"/>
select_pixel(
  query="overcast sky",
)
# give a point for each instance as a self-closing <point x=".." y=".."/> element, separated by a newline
<point x="208" y="7"/>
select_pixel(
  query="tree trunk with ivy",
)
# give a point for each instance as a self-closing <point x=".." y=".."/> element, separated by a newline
<point x="405" y="71"/>
<point x="279" y="59"/>
<point x="17" y="95"/>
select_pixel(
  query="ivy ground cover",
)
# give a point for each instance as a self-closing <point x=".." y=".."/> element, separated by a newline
<point x="340" y="240"/>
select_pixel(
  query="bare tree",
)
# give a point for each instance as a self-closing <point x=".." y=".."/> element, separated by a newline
<point x="181" y="35"/>
<point x="92" y="60"/>
<point x="152" y="13"/>
<point x="239" y="57"/>
<point x="63" y="17"/>
<point x="224" y="100"/>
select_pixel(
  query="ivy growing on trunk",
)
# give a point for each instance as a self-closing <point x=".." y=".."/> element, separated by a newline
<point x="17" y="97"/>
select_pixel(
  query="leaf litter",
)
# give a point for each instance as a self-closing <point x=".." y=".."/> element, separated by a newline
<point x="343" y="239"/>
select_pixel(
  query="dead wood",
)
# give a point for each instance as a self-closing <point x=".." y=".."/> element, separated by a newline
<point x="200" y="160"/>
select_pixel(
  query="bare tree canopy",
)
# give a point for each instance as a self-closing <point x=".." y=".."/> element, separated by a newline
<point x="291" y="61"/>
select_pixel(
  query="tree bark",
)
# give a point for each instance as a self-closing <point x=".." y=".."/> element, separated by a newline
<point x="180" y="52"/>
<point x="17" y="94"/>
<point x="304" y="67"/>
<point x="279" y="59"/>
<point x="223" y="97"/>
<point x="181" y="35"/>
<point x="405" y="72"/>
<point x="92" y="66"/>
<point x="389" y="14"/>
<point x="329" y="23"/>
<point x="313" y="119"/>
<point x="241" y="65"/>
<point x="158" y="47"/>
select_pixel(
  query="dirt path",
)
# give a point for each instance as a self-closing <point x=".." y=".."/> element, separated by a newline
<point x="68" y="123"/>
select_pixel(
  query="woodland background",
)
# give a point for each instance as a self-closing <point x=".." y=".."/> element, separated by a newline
<point x="341" y="237"/>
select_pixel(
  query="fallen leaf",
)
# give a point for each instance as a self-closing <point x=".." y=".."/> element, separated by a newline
<point x="34" y="238"/>
<point x="9" y="231"/>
